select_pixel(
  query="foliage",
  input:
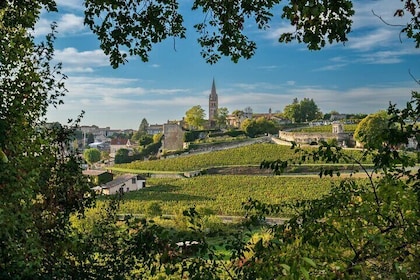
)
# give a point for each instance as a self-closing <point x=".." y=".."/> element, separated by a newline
<point x="370" y="131"/>
<point x="41" y="181"/>
<point x="361" y="229"/>
<point x="259" y="126"/>
<point x="221" y="116"/>
<point x="143" y="126"/>
<point x="357" y="231"/>
<point x="146" y="140"/>
<point x="127" y="156"/>
<point x="133" y="28"/>
<point x="192" y="135"/>
<point x="194" y="117"/>
<point x="302" y="111"/>
<point x="92" y="155"/>
<point x="122" y="156"/>
<point x="157" y="138"/>
<point x="153" y="209"/>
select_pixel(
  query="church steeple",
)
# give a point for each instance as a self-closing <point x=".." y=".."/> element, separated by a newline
<point x="213" y="94"/>
<point x="213" y="104"/>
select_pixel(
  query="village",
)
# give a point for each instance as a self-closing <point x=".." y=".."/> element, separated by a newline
<point x="172" y="140"/>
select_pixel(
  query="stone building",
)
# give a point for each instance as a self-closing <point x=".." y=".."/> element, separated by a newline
<point x="173" y="137"/>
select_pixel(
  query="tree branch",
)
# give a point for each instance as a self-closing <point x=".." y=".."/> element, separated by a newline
<point x="389" y="24"/>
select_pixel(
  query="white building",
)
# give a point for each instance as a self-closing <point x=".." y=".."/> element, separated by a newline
<point x="122" y="184"/>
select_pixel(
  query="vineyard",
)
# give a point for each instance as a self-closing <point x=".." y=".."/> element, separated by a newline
<point x="223" y="195"/>
<point x="251" y="155"/>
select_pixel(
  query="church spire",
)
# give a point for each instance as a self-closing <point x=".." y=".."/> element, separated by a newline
<point x="213" y="94"/>
<point x="213" y="104"/>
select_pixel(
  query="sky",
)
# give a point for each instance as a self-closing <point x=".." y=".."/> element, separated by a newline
<point x="362" y="76"/>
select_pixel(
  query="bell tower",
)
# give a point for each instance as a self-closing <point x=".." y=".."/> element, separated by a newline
<point x="213" y="105"/>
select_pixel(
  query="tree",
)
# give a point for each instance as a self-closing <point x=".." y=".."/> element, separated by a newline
<point x="254" y="127"/>
<point x="194" y="117"/>
<point x="105" y="156"/>
<point x="92" y="155"/>
<point x="122" y="156"/>
<point x="238" y="114"/>
<point x="359" y="222"/>
<point x="291" y="111"/>
<point x="221" y="116"/>
<point x="304" y="111"/>
<point x="309" y="110"/>
<point x="143" y="126"/>
<point x="157" y="138"/>
<point x="146" y="140"/>
<point x="223" y="31"/>
<point x="42" y="186"/>
<point x="249" y="127"/>
<point x="370" y="131"/>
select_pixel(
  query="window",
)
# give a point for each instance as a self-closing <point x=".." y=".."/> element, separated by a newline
<point x="133" y="180"/>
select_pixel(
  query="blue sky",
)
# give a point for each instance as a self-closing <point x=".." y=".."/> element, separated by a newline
<point x="362" y="76"/>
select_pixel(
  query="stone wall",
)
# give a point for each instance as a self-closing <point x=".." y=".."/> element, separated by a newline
<point x="308" y="138"/>
<point x="173" y="137"/>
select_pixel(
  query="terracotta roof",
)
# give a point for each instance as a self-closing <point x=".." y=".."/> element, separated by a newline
<point x="120" y="141"/>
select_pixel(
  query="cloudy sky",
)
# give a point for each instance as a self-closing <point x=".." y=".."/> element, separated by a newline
<point x="362" y="76"/>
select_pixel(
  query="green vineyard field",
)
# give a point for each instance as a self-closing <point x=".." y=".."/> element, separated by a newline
<point x="223" y="195"/>
<point x="251" y="155"/>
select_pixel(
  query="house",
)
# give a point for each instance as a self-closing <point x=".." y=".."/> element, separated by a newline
<point x="154" y="129"/>
<point x="98" y="177"/>
<point x="119" y="143"/>
<point x="122" y="184"/>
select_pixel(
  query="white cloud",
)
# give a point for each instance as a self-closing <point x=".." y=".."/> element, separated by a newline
<point x="70" y="23"/>
<point x="72" y="58"/>
<point x="66" y="24"/>
<point x="377" y="38"/>
<point x="121" y="103"/>
<point x="332" y="67"/>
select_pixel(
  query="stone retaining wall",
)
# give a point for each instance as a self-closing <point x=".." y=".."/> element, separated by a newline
<point x="308" y="138"/>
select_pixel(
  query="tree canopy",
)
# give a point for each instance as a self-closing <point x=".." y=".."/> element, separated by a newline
<point x="302" y="111"/>
<point x="143" y="126"/>
<point x="92" y="155"/>
<point x="371" y="130"/>
<point x="357" y="231"/>
<point x="133" y="28"/>
<point x="221" y="116"/>
<point x="194" y="117"/>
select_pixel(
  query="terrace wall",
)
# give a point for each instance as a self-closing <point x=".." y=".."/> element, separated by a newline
<point x="310" y="137"/>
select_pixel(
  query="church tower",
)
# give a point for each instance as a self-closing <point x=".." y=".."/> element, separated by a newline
<point x="213" y="105"/>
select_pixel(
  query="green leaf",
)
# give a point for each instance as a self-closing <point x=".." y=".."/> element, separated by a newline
<point x="285" y="267"/>
<point x="304" y="272"/>
<point x="309" y="261"/>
